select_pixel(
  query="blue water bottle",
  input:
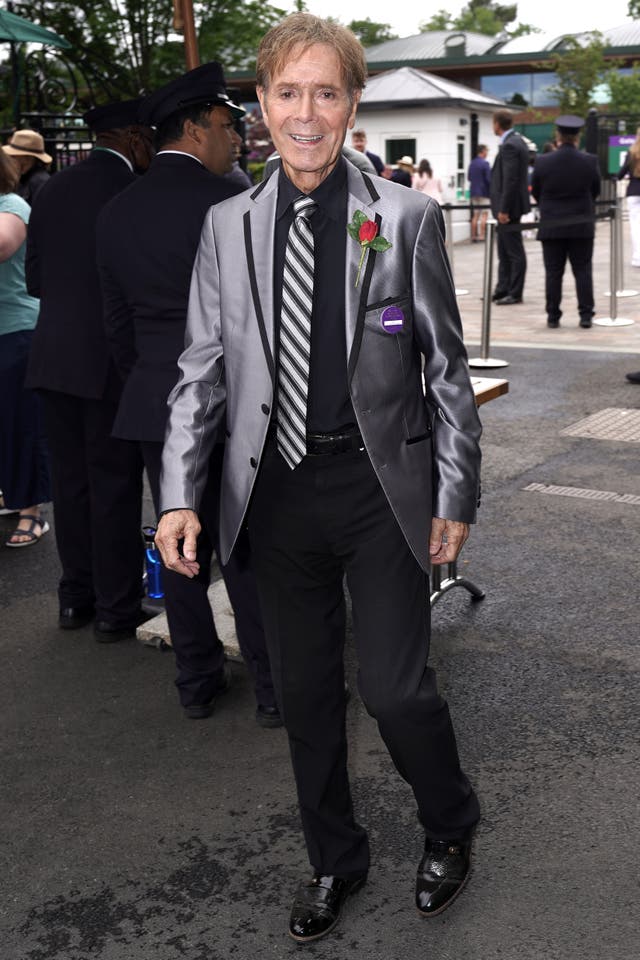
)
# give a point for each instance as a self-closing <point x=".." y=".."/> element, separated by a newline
<point x="153" y="564"/>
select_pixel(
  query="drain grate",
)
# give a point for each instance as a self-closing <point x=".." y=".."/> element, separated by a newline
<point x="583" y="494"/>
<point x="614" y="423"/>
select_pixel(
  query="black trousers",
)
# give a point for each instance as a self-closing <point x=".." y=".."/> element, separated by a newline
<point x="512" y="264"/>
<point x="97" y="502"/>
<point x="24" y="460"/>
<point x="579" y="251"/>
<point x="307" y="528"/>
<point x="198" y="649"/>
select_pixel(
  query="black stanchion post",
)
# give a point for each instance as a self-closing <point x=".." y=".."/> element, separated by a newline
<point x="485" y="360"/>
<point x="613" y="320"/>
<point x="448" y="221"/>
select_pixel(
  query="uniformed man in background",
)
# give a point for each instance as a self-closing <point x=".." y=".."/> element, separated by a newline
<point x="147" y="242"/>
<point x="566" y="183"/>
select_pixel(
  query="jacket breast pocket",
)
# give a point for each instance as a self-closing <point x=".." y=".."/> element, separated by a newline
<point x="390" y="317"/>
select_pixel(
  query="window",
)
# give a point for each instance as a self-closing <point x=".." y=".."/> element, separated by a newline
<point x="394" y="149"/>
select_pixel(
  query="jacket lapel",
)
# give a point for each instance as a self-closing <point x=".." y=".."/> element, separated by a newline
<point x="362" y="195"/>
<point x="259" y="221"/>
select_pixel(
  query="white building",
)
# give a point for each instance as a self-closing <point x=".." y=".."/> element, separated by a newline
<point x="409" y="112"/>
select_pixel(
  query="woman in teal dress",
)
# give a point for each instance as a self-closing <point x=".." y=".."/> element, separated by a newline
<point x="24" y="473"/>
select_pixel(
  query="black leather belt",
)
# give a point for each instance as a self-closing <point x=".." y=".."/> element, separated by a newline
<point x="326" y="444"/>
<point x="321" y="444"/>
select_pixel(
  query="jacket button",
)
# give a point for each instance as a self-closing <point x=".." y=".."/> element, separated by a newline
<point x="265" y="409"/>
<point x="253" y="462"/>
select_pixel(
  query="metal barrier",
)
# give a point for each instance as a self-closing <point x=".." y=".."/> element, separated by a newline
<point x="484" y="360"/>
<point x="616" y="234"/>
<point x="448" y="219"/>
<point x="613" y="214"/>
<point x="621" y="291"/>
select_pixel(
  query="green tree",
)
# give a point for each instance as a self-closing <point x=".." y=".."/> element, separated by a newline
<point x="126" y="47"/>
<point x="481" y="16"/>
<point x="624" y="93"/>
<point x="369" y="32"/>
<point x="579" y="68"/>
<point x="634" y="9"/>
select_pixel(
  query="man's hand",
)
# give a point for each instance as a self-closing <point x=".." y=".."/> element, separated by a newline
<point x="446" y="540"/>
<point x="177" y="525"/>
<point x="503" y="217"/>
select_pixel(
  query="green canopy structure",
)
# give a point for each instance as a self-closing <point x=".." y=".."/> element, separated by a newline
<point x="16" y="29"/>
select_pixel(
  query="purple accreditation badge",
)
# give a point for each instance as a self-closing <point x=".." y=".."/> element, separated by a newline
<point x="392" y="319"/>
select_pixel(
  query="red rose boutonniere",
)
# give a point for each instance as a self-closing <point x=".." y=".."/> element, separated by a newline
<point x="365" y="231"/>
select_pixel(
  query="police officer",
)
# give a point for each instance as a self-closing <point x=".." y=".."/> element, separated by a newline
<point x="147" y="242"/>
<point x="566" y="183"/>
<point x="97" y="481"/>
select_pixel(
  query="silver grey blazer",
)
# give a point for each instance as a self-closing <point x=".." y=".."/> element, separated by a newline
<point x="423" y="443"/>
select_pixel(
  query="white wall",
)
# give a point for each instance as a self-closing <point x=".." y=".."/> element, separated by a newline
<point x="436" y="133"/>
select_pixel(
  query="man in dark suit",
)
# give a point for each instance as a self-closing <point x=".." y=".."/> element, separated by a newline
<point x="566" y="183"/>
<point x="509" y="201"/>
<point x="359" y="143"/>
<point x="309" y="348"/>
<point x="97" y="480"/>
<point x="147" y="241"/>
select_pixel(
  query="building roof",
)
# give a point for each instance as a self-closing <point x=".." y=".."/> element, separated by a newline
<point x="460" y="46"/>
<point x="431" y="45"/>
<point x="407" y="86"/>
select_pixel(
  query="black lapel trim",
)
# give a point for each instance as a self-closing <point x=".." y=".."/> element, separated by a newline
<point x="259" y="189"/>
<point x="256" y="296"/>
<point x="373" y="193"/>
<point x="362" y="307"/>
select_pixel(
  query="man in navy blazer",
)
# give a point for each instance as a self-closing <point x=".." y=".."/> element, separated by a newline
<point x="97" y="480"/>
<point x="385" y="476"/>
<point x="147" y="241"/>
<point x="509" y="201"/>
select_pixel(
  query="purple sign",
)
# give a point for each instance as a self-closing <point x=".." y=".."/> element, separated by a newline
<point x="392" y="319"/>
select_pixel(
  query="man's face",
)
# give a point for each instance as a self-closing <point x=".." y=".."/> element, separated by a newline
<point x="219" y="142"/>
<point x="359" y="142"/>
<point x="308" y="112"/>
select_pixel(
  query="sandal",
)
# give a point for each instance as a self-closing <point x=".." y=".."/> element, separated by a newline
<point x="30" y="534"/>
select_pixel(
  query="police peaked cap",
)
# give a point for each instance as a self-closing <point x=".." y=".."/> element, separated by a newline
<point x="112" y="116"/>
<point x="569" y="123"/>
<point x="203" y="85"/>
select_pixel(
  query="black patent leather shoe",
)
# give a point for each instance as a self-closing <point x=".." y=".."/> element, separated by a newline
<point x="318" y="905"/>
<point x="443" y="872"/>
<point x="72" y="618"/>
<point x="268" y="717"/>
<point x="633" y="377"/>
<point x="507" y="301"/>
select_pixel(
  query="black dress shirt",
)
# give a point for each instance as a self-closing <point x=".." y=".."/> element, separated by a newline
<point x="329" y="407"/>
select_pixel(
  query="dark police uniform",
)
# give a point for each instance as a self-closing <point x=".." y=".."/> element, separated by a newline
<point x="147" y="242"/>
<point x="510" y="194"/>
<point x="97" y="481"/>
<point x="565" y="184"/>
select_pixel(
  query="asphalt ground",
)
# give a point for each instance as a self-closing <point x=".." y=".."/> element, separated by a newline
<point x="128" y="831"/>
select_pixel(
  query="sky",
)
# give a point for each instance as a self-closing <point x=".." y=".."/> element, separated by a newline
<point x="549" y="15"/>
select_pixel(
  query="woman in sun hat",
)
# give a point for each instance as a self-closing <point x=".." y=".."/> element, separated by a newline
<point x="26" y="149"/>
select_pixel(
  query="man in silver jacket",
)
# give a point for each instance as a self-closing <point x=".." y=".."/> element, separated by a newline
<point x="377" y="477"/>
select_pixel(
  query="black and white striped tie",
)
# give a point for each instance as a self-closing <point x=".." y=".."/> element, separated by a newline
<point x="295" y="335"/>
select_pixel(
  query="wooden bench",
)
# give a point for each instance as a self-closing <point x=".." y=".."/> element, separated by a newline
<point x="445" y="577"/>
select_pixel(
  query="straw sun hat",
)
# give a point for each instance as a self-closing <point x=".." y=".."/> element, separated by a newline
<point x="27" y="143"/>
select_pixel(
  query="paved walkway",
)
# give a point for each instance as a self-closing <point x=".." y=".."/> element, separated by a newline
<point x="525" y="324"/>
<point x="130" y="833"/>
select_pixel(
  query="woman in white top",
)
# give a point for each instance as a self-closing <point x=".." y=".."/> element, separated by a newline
<point x="425" y="181"/>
